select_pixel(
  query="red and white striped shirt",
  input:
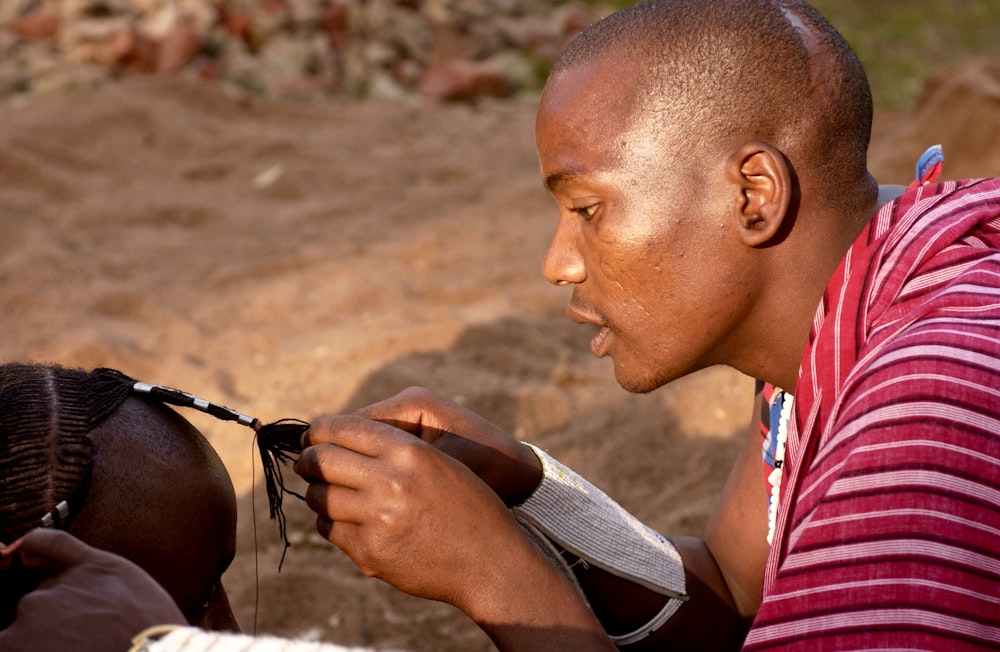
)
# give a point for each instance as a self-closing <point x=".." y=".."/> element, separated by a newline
<point x="888" y="528"/>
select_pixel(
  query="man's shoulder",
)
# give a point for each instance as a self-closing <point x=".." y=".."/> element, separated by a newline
<point x="931" y="207"/>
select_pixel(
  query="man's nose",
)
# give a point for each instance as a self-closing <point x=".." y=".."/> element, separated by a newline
<point x="563" y="263"/>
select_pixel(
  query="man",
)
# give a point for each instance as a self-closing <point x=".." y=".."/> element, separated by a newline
<point x="708" y="158"/>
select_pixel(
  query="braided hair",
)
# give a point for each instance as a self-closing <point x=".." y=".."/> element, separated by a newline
<point x="46" y="454"/>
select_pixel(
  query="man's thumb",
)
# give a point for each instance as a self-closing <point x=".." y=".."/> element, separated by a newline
<point x="53" y="551"/>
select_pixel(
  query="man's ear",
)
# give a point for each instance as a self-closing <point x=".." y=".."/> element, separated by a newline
<point x="764" y="182"/>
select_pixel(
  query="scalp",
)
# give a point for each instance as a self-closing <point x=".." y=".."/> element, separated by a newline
<point x="161" y="497"/>
<point x="713" y="74"/>
<point x="149" y="462"/>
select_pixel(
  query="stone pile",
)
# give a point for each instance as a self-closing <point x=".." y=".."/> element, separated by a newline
<point x="444" y="49"/>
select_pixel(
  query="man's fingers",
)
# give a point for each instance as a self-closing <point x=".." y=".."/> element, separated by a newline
<point x="332" y="464"/>
<point x="337" y="503"/>
<point x="415" y="410"/>
<point x="53" y="551"/>
<point x="405" y="408"/>
<point x="353" y="432"/>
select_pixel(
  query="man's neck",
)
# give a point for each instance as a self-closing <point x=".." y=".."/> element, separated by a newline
<point x="804" y="282"/>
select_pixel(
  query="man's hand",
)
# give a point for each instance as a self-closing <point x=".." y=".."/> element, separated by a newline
<point x="401" y="509"/>
<point x="509" y="467"/>
<point x="411" y="515"/>
<point x="90" y="601"/>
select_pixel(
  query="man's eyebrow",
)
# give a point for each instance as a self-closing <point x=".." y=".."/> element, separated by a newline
<point x="559" y="178"/>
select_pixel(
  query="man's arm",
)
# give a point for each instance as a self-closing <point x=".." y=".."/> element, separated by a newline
<point x="724" y="571"/>
<point x="736" y="534"/>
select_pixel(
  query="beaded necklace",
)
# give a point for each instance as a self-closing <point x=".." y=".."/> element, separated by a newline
<point x="782" y="402"/>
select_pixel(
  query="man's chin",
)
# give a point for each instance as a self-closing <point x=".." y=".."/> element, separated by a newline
<point x="638" y="380"/>
<point x="634" y="384"/>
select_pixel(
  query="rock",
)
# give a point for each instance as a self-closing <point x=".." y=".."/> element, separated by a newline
<point x="452" y="50"/>
<point x="89" y="27"/>
<point x="178" y="46"/>
<point x="132" y="51"/>
<point x="461" y="80"/>
<point x="284" y="61"/>
<point x="42" y="22"/>
<point x="158" y="18"/>
<point x="335" y="23"/>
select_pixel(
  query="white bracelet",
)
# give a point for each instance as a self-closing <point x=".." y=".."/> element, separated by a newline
<point x="645" y="630"/>
<point x="588" y="523"/>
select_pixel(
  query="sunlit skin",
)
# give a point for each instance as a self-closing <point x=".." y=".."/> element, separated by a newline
<point x="644" y="241"/>
<point x="716" y="256"/>
<point x="661" y="256"/>
<point x="412" y="515"/>
<point x="672" y="256"/>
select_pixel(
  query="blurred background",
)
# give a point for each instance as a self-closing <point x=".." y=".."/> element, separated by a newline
<point x="386" y="48"/>
<point x="299" y="207"/>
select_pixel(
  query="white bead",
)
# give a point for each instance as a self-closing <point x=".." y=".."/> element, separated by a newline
<point x="774" y="478"/>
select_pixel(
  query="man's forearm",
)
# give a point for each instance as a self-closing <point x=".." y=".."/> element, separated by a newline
<point x="527" y="602"/>
<point x="637" y="582"/>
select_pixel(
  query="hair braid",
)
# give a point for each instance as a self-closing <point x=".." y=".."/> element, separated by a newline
<point x="46" y="415"/>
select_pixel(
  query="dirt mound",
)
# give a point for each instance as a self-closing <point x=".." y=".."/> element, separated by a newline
<point x="958" y="108"/>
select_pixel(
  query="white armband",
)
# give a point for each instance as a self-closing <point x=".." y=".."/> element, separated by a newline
<point x="191" y="639"/>
<point x="586" y="522"/>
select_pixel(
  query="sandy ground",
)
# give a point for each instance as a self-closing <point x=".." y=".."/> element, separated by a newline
<point x="301" y="259"/>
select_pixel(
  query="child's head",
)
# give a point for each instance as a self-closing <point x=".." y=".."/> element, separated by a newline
<point x="87" y="452"/>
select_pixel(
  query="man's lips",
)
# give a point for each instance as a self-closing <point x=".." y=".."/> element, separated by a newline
<point x="600" y="343"/>
<point x="583" y="315"/>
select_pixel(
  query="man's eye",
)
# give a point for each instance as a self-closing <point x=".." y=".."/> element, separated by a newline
<point x="586" y="212"/>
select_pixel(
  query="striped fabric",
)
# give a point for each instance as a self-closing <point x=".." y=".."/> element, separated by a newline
<point x="888" y="531"/>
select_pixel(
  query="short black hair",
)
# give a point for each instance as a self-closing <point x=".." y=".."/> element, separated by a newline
<point x="773" y="70"/>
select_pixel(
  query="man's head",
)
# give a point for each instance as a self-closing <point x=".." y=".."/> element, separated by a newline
<point x="138" y="480"/>
<point x="683" y="140"/>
